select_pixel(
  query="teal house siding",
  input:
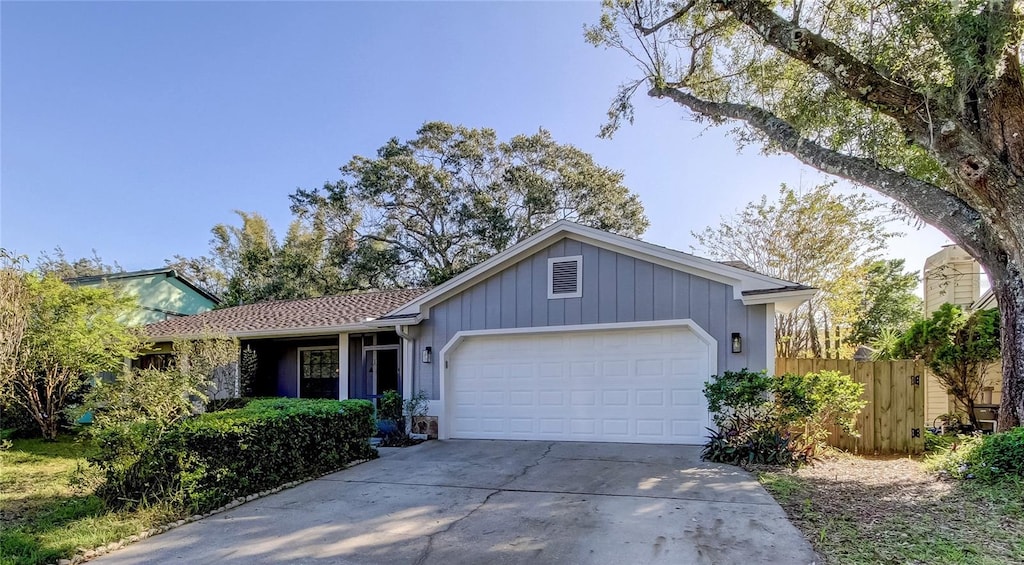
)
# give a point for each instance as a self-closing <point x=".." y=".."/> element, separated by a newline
<point x="160" y="294"/>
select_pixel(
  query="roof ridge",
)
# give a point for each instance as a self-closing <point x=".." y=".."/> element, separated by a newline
<point x="323" y="296"/>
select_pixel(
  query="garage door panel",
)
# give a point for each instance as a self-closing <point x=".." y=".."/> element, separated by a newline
<point x="622" y="385"/>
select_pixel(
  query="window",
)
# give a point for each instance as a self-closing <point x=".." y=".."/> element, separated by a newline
<point x="565" y="277"/>
<point x="318" y="372"/>
<point x="318" y="363"/>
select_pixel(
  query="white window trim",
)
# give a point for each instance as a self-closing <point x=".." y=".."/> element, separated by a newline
<point x="298" y="365"/>
<point x="579" y="276"/>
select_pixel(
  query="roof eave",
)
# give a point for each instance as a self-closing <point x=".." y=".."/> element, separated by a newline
<point x="784" y="301"/>
<point x="276" y="332"/>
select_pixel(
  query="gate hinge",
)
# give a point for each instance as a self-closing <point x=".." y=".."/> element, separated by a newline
<point x="915" y="380"/>
<point x="915" y="432"/>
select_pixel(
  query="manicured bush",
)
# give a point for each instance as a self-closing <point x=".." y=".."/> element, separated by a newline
<point x="220" y="404"/>
<point x="985" y="457"/>
<point x="204" y="462"/>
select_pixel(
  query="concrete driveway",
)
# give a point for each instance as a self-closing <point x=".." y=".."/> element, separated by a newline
<point x="496" y="502"/>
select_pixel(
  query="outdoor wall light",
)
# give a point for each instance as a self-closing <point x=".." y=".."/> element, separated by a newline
<point x="427" y="354"/>
<point x="737" y="343"/>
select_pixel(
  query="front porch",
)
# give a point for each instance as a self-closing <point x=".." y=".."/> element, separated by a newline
<point x="349" y="365"/>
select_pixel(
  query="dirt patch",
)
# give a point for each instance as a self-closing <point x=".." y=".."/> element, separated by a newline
<point x="869" y="510"/>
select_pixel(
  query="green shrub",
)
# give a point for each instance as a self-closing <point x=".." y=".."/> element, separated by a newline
<point x="934" y="442"/>
<point x="219" y="404"/>
<point x="813" y="402"/>
<point x="739" y="440"/>
<point x="204" y="462"/>
<point x="759" y="417"/>
<point x="17" y="421"/>
<point x="390" y="406"/>
<point x="737" y="392"/>
<point x="1004" y="452"/>
<point x="988" y="458"/>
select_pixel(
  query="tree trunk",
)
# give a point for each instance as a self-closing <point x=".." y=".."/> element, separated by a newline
<point x="812" y="335"/>
<point x="1008" y="288"/>
<point x="828" y="337"/>
<point x="971" y="416"/>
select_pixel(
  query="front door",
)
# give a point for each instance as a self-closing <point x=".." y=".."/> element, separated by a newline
<point x="383" y="366"/>
<point x="318" y="372"/>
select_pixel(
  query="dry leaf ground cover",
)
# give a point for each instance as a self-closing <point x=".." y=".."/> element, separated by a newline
<point x="858" y="510"/>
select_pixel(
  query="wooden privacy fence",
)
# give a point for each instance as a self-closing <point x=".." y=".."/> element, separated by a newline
<point x="893" y="420"/>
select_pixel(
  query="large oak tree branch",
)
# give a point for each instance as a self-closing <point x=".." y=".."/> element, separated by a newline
<point x="948" y="135"/>
<point x="944" y="210"/>
<point x="856" y="78"/>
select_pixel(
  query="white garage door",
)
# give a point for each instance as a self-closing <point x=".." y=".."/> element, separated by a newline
<point x="624" y="385"/>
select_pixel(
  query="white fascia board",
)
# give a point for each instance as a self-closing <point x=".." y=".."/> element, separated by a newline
<point x="392" y="322"/>
<point x="739" y="279"/>
<point x="785" y="302"/>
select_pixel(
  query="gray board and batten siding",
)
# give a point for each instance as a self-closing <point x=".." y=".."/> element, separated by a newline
<point x="616" y="288"/>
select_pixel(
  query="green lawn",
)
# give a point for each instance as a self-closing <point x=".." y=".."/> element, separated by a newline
<point x="47" y="509"/>
<point x="865" y="511"/>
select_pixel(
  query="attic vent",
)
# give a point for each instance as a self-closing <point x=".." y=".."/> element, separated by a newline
<point x="565" y="277"/>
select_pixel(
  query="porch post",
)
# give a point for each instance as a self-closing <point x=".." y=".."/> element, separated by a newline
<point x="342" y="366"/>
<point x="407" y="365"/>
<point x="408" y="352"/>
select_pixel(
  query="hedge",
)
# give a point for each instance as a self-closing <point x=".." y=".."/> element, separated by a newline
<point x="207" y="461"/>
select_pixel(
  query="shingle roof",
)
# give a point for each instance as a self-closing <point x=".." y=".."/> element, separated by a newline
<point x="305" y="315"/>
<point x="740" y="265"/>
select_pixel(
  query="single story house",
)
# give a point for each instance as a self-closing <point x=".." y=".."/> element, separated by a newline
<point x="160" y="294"/>
<point x="572" y="334"/>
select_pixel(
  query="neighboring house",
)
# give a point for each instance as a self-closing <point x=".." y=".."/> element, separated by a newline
<point x="953" y="276"/>
<point x="161" y="294"/>
<point x="571" y="334"/>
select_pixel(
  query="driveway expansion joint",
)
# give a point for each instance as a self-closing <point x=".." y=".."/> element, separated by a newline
<point x="578" y="493"/>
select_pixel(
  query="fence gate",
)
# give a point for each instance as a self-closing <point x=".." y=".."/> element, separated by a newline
<point x="892" y="422"/>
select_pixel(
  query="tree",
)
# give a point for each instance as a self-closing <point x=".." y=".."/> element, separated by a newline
<point x="202" y="271"/>
<point x="14" y="314"/>
<point x="816" y="237"/>
<point x="888" y="301"/>
<point x="922" y="101"/>
<point x="453" y="196"/>
<point x="70" y="335"/>
<point x="957" y="348"/>
<point x="169" y="394"/>
<point x="248" y="263"/>
<point x="58" y="265"/>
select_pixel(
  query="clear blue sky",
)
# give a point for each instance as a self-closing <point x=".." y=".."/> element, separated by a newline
<point x="133" y="128"/>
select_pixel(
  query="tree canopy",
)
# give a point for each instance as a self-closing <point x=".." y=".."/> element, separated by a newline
<point x="417" y="213"/>
<point x="887" y="302"/>
<point x="818" y="237"/>
<point x="452" y="196"/>
<point x="58" y="264"/>
<point x="922" y="101"/>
